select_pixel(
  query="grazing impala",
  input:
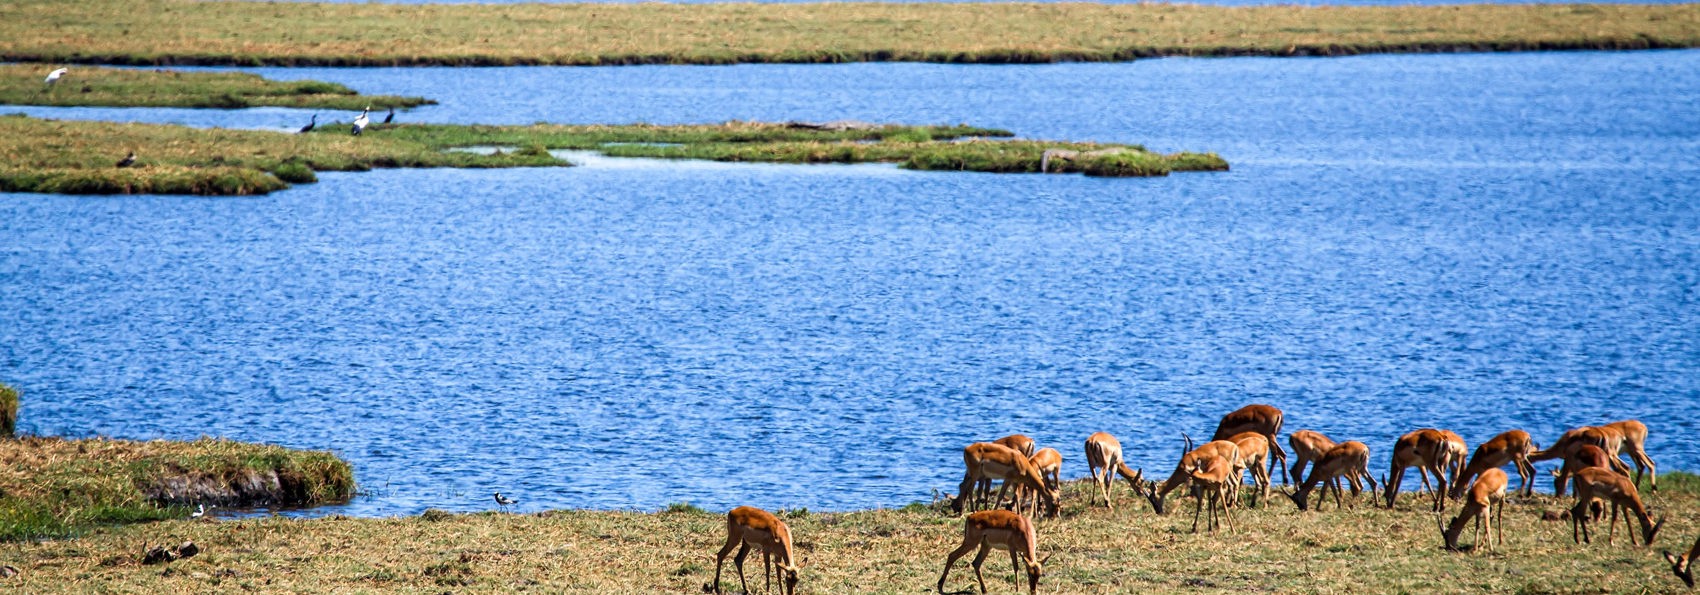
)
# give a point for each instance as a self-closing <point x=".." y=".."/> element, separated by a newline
<point x="1487" y="506"/>
<point x="1348" y="460"/>
<point x="1454" y="452"/>
<point x="1679" y="564"/>
<point x="1104" y="459"/>
<point x="1426" y="450"/>
<point x="1192" y="459"/>
<point x="1019" y="442"/>
<point x="1595" y="483"/>
<point x="1263" y="419"/>
<point x="1254" y="450"/>
<point x="1308" y="446"/>
<point x="998" y="529"/>
<point x="1512" y="446"/>
<point x="985" y="461"/>
<point x="1214" y="477"/>
<point x="1049" y="463"/>
<point x="1609" y="439"/>
<point x="1582" y="456"/>
<point x="1635" y="445"/>
<point x="747" y="526"/>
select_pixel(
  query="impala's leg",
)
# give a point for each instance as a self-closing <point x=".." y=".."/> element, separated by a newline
<point x="720" y="557"/>
<point x="958" y="553"/>
<point x="1527" y="470"/>
<point x="1337" y="490"/>
<point x="1197" y="509"/>
<point x="738" y="562"/>
<point x="1499" y="520"/>
<point x="1395" y="478"/>
<point x="1298" y="471"/>
<point x="1281" y="455"/>
<point x="979" y="559"/>
<point x="1610" y="532"/>
<point x="1014" y="566"/>
<point x="1229" y="516"/>
<point x="766" y="571"/>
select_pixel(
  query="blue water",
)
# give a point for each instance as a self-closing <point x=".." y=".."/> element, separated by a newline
<point x="1475" y="242"/>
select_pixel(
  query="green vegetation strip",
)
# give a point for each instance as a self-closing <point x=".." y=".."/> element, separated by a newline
<point x="24" y="84"/>
<point x="52" y="487"/>
<point x="376" y="34"/>
<point x="80" y="157"/>
<point x="1091" y="549"/>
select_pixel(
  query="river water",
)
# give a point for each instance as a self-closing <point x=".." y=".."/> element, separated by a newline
<point x="1473" y="241"/>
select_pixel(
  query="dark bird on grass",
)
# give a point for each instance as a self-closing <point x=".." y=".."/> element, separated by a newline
<point x="391" y="117"/>
<point x="361" y="121"/>
<point x="310" y="124"/>
<point x="504" y="501"/>
<point x="128" y="160"/>
<point x="53" y="77"/>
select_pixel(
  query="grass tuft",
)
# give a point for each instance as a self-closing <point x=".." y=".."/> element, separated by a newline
<point x="8" y="411"/>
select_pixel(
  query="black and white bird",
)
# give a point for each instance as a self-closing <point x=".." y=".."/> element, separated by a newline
<point x="310" y="124"/>
<point x="53" y="77"/>
<point x="362" y="120"/>
<point x="504" y="501"/>
<point x="128" y="160"/>
<point x="200" y="511"/>
<point x="391" y="117"/>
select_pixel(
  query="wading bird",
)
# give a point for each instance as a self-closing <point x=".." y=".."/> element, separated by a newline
<point x="128" y="160"/>
<point x="361" y="121"/>
<point x="391" y="117"/>
<point x="200" y="511"/>
<point x="53" y="77"/>
<point x="504" y="501"/>
<point x="310" y="124"/>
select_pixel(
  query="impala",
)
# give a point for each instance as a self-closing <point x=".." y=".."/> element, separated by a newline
<point x="1308" y="446"/>
<point x="1454" y="452"/>
<point x="1049" y="463"/>
<point x="1263" y="419"/>
<point x="1609" y="439"/>
<point x="1019" y="442"/>
<point x="998" y="529"/>
<point x="1635" y="443"/>
<point x="1192" y="459"/>
<point x="1582" y="456"/>
<point x="986" y="461"/>
<point x="1254" y="450"/>
<point x="1348" y="460"/>
<point x="1104" y="459"/>
<point x="1679" y="564"/>
<point x="1512" y="446"/>
<point x="1214" y="477"/>
<point x="747" y="526"/>
<point x="1426" y="450"/>
<point x="1595" y="483"/>
<point x="1487" y="506"/>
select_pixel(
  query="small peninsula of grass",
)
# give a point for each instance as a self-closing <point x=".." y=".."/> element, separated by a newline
<point x="152" y="32"/>
<point x="22" y="84"/>
<point x="1275" y="548"/>
<point x="53" y="487"/>
<point x="71" y="157"/>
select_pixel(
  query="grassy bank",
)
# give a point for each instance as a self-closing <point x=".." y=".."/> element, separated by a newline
<point x="256" y="33"/>
<point x="52" y="487"/>
<point x="79" y="157"/>
<point x="1131" y="550"/>
<point x="22" y="84"/>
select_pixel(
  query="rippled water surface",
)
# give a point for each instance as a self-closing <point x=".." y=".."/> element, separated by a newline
<point x="1476" y="242"/>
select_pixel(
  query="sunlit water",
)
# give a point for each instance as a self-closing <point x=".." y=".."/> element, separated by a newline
<point x="1477" y="242"/>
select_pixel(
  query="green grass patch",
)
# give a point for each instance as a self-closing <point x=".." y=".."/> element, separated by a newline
<point x="52" y="487"/>
<point x="22" y="84"/>
<point x="8" y="411"/>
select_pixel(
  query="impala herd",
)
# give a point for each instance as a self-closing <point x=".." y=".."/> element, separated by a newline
<point x="1246" y="442"/>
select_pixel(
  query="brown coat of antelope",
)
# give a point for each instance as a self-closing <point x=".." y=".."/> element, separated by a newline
<point x="1582" y="456"/>
<point x="1602" y="484"/>
<point x="1679" y="564"/>
<point x="998" y="529"/>
<point x="985" y="461"/>
<point x="747" y="526"/>
<point x="1214" y="478"/>
<point x="1348" y="460"/>
<point x="1609" y="439"/>
<point x="1104" y="460"/>
<point x="1263" y="419"/>
<point x="1191" y="459"/>
<point x="1511" y="446"/>
<point x="1049" y="463"/>
<point x="1019" y="442"/>
<point x="1487" y="506"/>
<point x="1254" y="451"/>
<point x="1426" y="450"/>
<point x="1455" y="453"/>
<point x="1635" y="445"/>
<point x="1308" y="446"/>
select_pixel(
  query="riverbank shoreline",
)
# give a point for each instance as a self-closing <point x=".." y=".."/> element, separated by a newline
<point x="365" y="34"/>
<point x="24" y="84"/>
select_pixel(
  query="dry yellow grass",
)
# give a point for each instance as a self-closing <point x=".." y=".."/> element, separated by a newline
<point x="285" y="33"/>
<point x="1279" y="549"/>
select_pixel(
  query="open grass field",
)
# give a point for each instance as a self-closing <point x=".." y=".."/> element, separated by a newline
<point x="1131" y="550"/>
<point x="72" y="157"/>
<point x="361" y="34"/>
<point x="22" y="84"/>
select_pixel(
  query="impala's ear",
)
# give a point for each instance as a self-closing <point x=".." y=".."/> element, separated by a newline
<point x="1047" y="559"/>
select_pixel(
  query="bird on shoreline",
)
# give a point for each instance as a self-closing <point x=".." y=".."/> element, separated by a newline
<point x="361" y="121"/>
<point x="391" y="117"/>
<point x="310" y="124"/>
<point x="200" y="511"/>
<point x="128" y="161"/>
<point x="504" y="501"/>
<point x="53" y="77"/>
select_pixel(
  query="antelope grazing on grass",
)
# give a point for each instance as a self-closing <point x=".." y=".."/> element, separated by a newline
<point x="1017" y="442"/>
<point x="985" y="461"/>
<point x="1454" y="452"/>
<point x="1679" y="564"/>
<point x="1049" y="463"/>
<point x="750" y="526"/>
<point x="1608" y="439"/>
<point x="1308" y="447"/>
<point x="1003" y="530"/>
<point x="1104" y="459"/>
<point x="1263" y="419"/>
<point x="1512" y="446"/>
<point x="1348" y="460"/>
<point x="1602" y="484"/>
<point x="1425" y="449"/>
<point x="1487" y="506"/>
<point x="1215" y="478"/>
<point x="1192" y="459"/>
<point x="1635" y="445"/>
<point x="1581" y="456"/>
<point x="1254" y="451"/>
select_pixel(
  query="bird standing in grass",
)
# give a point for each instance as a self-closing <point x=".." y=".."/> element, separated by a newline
<point x="53" y="77"/>
<point x="128" y="160"/>
<point x="362" y="120"/>
<point x="200" y="511"/>
<point x="504" y="501"/>
<point x="310" y="124"/>
<point x="391" y="117"/>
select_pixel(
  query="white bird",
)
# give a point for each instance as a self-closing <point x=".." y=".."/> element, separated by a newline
<point x="200" y="511"/>
<point x="504" y="501"/>
<point x="361" y="121"/>
<point x="53" y="77"/>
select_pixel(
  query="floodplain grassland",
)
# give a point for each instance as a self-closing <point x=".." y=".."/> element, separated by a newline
<point x="54" y="487"/>
<point x="152" y="32"/>
<point x="23" y="84"/>
<point x="1275" y="548"/>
